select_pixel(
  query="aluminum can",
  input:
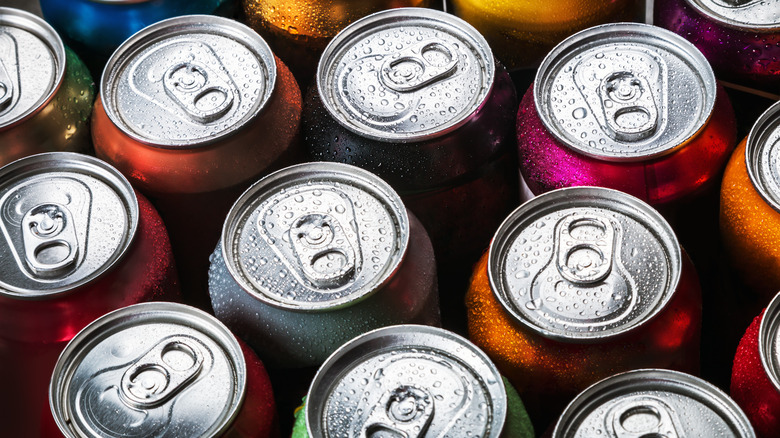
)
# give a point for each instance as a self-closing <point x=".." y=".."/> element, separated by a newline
<point x="579" y="284"/>
<point x="740" y="38"/>
<point x="46" y="92"/>
<point x="626" y="106"/>
<point x="315" y="254"/>
<point x="77" y="242"/>
<point x="160" y="370"/>
<point x="653" y="403"/>
<point x="193" y="110"/>
<point x="415" y="96"/>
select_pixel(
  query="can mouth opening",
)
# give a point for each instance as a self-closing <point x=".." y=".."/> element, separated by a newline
<point x="764" y="134"/>
<point x="769" y="342"/>
<point x="728" y="13"/>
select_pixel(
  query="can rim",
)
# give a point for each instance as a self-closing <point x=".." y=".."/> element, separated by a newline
<point x="113" y="322"/>
<point x="543" y="204"/>
<point x="755" y="141"/>
<point x="43" y="30"/>
<point x="670" y="40"/>
<point x="385" y="339"/>
<point x="291" y="175"/>
<point x="711" y="15"/>
<point x="398" y="15"/>
<point x="687" y="384"/>
<point x="767" y="333"/>
<point x="173" y="27"/>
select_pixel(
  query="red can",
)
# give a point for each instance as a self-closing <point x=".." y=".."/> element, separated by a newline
<point x="77" y="242"/>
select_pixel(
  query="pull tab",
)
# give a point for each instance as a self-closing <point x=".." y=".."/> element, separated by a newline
<point x="406" y="411"/>
<point x="199" y="91"/>
<point x="584" y="248"/>
<point x="631" y="113"/>
<point x="642" y="417"/>
<point x="162" y="372"/>
<point x="419" y="66"/>
<point x="326" y="256"/>
<point x="7" y="58"/>
<point x="49" y="236"/>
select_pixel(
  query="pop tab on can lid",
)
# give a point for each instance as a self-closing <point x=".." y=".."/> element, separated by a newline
<point x="315" y="236"/>
<point x="32" y="64"/>
<point x="653" y="403"/>
<point x="65" y="219"/>
<point x="762" y="153"/>
<point x="584" y="263"/>
<point x="747" y="15"/>
<point x="148" y="370"/>
<point x="186" y="81"/>
<point x="405" y="74"/>
<point x="407" y="380"/>
<point x="624" y="92"/>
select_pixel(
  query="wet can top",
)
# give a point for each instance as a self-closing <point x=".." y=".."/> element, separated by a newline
<point x="653" y="403"/>
<point x="624" y="92"/>
<point x="407" y="380"/>
<point x="584" y="263"/>
<point x="753" y="15"/>
<point x="66" y="219"/>
<point x="149" y="370"/>
<point x="188" y="81"/>
<point x="315" y="236"/>
<point x="762" y="154"/>
<point x="769" y="342"/>
<point x="32" y="65"/>
<point x="405" y="75"/>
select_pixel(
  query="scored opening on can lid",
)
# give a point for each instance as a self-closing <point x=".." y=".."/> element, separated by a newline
<point x="315" y="236"/>
<point x="762" y="153"/>
<point x="188" y="81"/>
<point x="405" y="74"/>
<point x="584" y="263"/>
<point x="744" y="15"/>
<point x="653" y="402"/>
<point x="151" y="369"/>
<point x="769" y="341"/>
<point x="32" y="65"/>
<point x="65" y="219"/>
<point x="624" y="92"/>
<point x="407" y="380"/>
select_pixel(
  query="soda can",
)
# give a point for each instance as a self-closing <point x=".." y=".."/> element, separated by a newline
<point x="315" y="254"/>
<point x="77" y="242"/>
<point x="579" y="284"/>
<point x="740" y="38"/>
<point x="653" y="403"/>
<point x="160" y="369"/>
<point x="415" y="96"/>
<point x="627" y="106"/>
<point x="193" y="110"/>
<point x="46" y="93"/>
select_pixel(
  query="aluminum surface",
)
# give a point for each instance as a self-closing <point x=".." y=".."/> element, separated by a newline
<point x="762" y="155"/>
<point x="769" y="342"/>
<point x="748" y="15"/>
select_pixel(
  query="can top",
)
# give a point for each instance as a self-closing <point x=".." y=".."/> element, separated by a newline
<point x="149" y="370"/>
<point x="32" y="65"/>
<point x="315" y="236"/>
<point x="407" y="380"/>
<point x="624" y="92"/>
<point x="584" y="263"/>
<point x="66" y="219"/>
<point x="762" y="153"/>
<point x="769" y="341"/>
<point x="653" y="402"/>
<point x="746" y="15"/>
<point x="188" y="81"/>
<point x="405" y="74"/>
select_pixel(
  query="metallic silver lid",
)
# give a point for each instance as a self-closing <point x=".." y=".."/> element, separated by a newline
<point x="188" y="81"/>
<point x="762" y="155"/>
<point x="624" y="92"/>
<point x="32" y="64"/>
<point x="746" y="15"/>
<point x="65" y="218"/>
<point x="149" y="370"/>
<point x="653" y="403"/>
<point x="315" y="236"/>
<point x="769" y="341"/>
<point x="405" y="74"/>
<point x="407" y="380"/>
<point x="584" y="263"/>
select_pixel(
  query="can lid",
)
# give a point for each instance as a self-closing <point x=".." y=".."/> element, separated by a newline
<point x="149" y="370"/>
<point x="746" y="15"/>
<point x="653" y="402"/>
<point x="624" y="92"/>
<point x="32" y="64"/>
<point x="407" y="380"/>
<point x="66" y="219"/>
<point x="584" y="263"/>
<point x="315" y="236"/>
<point x="188" y="81"/>
<point x="762" y="153"/>
<point x="769" y="341"/>
<point x="405" y="74"/>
